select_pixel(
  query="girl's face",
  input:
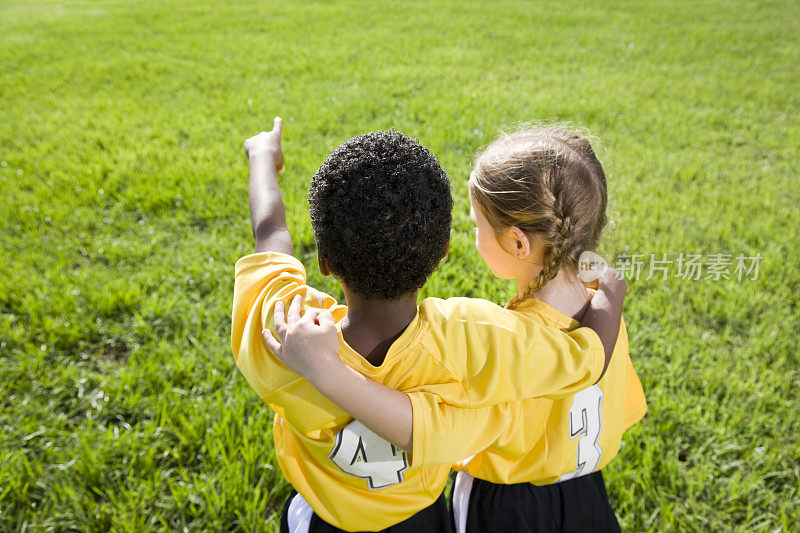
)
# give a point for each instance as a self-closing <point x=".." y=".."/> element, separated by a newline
<point x="500" y="262"/>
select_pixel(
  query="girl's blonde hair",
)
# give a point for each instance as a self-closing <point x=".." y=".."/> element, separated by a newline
<point x="548" y="182"/>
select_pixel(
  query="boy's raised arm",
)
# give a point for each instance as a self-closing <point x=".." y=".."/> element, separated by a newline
<point x="267" y="214"/>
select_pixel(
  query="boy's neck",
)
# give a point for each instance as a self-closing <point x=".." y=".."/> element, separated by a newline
<point x="567" y="294"/>
<point x="371" y="326"/>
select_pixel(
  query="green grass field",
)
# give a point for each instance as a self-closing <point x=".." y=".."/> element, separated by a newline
<point x="123" y="192"/>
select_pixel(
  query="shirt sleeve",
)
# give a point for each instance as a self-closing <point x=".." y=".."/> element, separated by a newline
<point x="260" y="281"/>
<point x="540" y="361"/>
<point x="635" y="401"/>
<point x="444" y="434"/>
<point x="501" y="355"/>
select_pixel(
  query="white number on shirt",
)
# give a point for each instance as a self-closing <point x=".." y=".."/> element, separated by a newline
<point x="361" y="453"/>
<point x="585" y="423"/>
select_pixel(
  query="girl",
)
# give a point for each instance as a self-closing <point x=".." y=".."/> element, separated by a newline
<point x="538" y="200"/>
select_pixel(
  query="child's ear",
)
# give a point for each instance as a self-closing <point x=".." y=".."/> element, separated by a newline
<point x="446" y="250"/>
<point x="324" y="267"/>
<point x="522" y="244"/>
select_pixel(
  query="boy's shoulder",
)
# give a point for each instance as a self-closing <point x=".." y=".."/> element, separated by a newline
<point x="268" y="260"/>
<point x="464" y="310"/>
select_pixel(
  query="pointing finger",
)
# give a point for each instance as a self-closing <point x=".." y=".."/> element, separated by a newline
<point x="277" y="126"/>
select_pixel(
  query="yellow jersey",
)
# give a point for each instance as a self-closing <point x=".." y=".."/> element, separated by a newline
<point x="545" y="440"/>
<point x="468" y="353"/>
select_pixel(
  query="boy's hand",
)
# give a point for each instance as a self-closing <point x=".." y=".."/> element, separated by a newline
<point x="605" y="312"/>
<point x="267" y="144"/>
<point x="309" y="345"/>
<point x="612" y="282"/>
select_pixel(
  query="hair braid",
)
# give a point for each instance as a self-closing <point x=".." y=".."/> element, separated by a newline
<point x="554" y="259"/>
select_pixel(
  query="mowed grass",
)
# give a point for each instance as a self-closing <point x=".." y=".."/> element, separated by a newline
<point x="123" y="193"/>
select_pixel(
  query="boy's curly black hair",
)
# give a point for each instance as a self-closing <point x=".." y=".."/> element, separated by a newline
<point x="380" y="210"/>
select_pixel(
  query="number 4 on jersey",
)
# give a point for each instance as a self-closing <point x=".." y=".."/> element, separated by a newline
<point x="361" y="453"/>
<point x="585" y="423"/>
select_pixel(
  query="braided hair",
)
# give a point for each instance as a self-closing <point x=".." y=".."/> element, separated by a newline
<point x="548" y="182"/>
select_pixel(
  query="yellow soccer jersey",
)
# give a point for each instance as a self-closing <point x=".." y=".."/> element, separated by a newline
<point x="546" y="440"/>
<point x="466" y="352"/>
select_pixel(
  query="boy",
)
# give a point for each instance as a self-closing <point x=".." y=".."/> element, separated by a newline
<point x="380" y="210"/>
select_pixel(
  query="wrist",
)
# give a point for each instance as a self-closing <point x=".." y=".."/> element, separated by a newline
<point x="326" y="377"/>
<point x="263" y="156"/>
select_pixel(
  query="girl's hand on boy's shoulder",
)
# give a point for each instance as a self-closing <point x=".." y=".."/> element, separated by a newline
<point x="308" y="345"/>
<point x="267" y="144"/>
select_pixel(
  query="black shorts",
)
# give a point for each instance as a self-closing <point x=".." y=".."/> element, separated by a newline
<point x="579" y="504"/>
<point x="433" y="519"/>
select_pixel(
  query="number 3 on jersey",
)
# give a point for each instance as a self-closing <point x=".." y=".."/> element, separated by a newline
<point x="585" y="423"/>
<point x="361" y="453"/>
